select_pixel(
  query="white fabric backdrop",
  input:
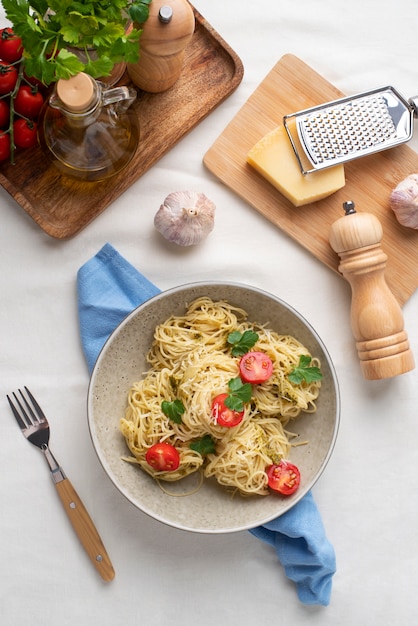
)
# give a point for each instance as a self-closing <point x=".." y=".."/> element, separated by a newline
<point x="368" y="494"/>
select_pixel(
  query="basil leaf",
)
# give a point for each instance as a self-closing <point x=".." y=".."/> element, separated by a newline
<point x="203" y="446"/>
<point x="304" y="372"/>
<point x="173" y="410"/>
<point x="239" y="394"/>
<point x="242" y="342"/>
<point x="234" y="403"/>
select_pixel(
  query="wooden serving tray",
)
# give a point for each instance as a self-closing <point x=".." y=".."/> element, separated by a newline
<point x="292" y="86"/>
<point x="62" y="206"/>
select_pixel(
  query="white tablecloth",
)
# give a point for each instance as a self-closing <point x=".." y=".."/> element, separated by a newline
<point x="368" y="494"/>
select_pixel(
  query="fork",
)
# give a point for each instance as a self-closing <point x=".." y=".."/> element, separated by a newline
<point x="34" y="426"/>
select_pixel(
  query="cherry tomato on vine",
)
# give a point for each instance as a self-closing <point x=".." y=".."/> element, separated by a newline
<point x="163" y="457"/>
<point x="4" y="146"/>
<point x="283" y="477"/>
<point x="33" y="81"/>
<point x="25" y="133"/>
<point x="4" y="113"/>
<point x="11" y="48"/>
<point x="28" y="101"/>
<point x="223" y="415"/>
<point x="255" y="367"/>
<point x="8" y="77"/>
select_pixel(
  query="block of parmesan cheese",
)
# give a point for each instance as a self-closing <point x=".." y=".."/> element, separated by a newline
<point x="273" y="157"/>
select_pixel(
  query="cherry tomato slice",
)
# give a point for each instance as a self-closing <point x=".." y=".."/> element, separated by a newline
<point x="28" y="101"/>
<point x="255" y="367"/>
<point x="283" y="477"/>
<point x="163" y="457"/>
<point x="223" y="415"/>
<point x="11" y="49"/>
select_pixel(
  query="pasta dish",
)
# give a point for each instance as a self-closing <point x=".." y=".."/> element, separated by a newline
<point x="191" y="361"/>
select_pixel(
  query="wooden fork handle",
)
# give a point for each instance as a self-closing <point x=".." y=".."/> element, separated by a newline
<point x="85" y="529"/>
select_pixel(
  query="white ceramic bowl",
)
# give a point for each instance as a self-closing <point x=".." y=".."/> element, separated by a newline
<point x="211" y="509"/>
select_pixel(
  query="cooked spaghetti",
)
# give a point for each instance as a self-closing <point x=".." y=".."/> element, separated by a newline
<point x="190" y="361"/>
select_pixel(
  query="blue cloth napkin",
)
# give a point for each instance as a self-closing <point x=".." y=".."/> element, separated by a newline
<point x="109" y="288"/>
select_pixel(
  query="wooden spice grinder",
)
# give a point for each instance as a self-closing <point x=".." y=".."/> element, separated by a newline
<point x="163" y="43"/>
<point x="376" y="317"/>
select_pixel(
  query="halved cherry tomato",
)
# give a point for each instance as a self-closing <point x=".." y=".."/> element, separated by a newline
<point x="11" y="48"/>
<point x="255" y="367"/>
<point x="8" y="77"/>
<point x="28" y="101"/>
<point x="25" y="133"/>
<point x="4" y="146"/>
<point x="283" y="477"/>
<point x="4" y="113"/>
<point x="163" y="457"/>
<point x="223" y="415"/>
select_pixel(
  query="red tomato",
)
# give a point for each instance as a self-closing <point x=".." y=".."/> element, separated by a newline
<point x="4" y="146"/>
<point x="163" y="457"/>
<point x="25" y="133"/>
<point x="255" y="367"/>
<point x="11" y="48"/>
<point x="28" y="101"/>
<point x="4" y="113"/>
<point x="8" y="77"/>
<point x="283" y="477"/>
<point x="33" y="81"/>
<point x="224" y="416"/>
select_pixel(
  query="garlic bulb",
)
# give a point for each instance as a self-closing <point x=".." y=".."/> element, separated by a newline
<point x="185" y="217"/>
<point x="404" y="201"/>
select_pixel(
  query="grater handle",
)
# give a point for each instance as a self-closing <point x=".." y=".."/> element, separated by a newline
<point x="376" y="317"/>
<point x="414" y="104"/>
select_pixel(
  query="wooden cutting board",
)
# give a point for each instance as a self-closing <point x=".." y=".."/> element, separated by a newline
<point x="62" y="206"/>
<point x="289" y="87"/>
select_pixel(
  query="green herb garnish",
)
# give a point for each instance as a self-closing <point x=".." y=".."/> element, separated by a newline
<point x="242" y="342"/>
<point x="239" y="394"/>
<point x="203" y="446"/>
<point x="304" y="372"/>
<point x="49" y="28"/>
<point x="173" y="410"/>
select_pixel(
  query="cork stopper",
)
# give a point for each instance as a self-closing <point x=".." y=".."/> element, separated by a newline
<point x="76" y="93"/>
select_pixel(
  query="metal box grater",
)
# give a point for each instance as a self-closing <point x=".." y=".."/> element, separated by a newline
<point x="350" y="127"/>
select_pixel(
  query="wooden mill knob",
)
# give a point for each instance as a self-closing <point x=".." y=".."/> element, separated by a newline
<point x="376" y="317"/>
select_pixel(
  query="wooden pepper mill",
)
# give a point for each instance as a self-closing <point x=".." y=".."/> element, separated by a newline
<point x="376" y="317"/>
<point x="163" y="42"/>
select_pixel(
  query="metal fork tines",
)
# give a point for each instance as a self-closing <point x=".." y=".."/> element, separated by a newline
<point x="34" y="426"/>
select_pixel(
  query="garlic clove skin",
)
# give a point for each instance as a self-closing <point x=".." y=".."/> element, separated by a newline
<point x="185" y="217"/>
<point x="404" y="201"/>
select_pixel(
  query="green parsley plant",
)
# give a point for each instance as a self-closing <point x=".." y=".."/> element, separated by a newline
<point x="49" y="29"/>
